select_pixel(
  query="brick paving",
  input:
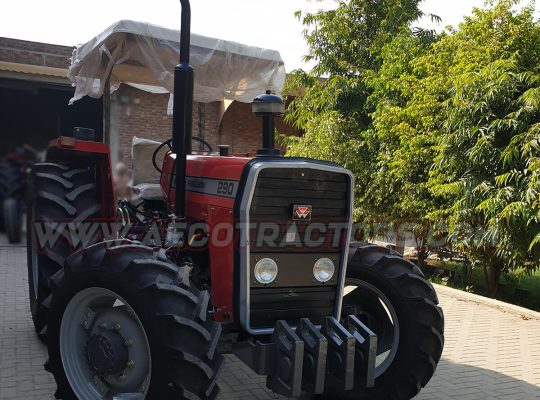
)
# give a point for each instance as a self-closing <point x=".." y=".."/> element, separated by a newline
<point x="491" y="352"/>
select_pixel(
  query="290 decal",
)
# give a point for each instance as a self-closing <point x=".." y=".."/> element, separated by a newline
<point x="213" y="187"/>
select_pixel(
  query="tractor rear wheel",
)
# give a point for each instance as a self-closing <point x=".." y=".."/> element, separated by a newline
<point x="12" y="219"/>
<point x="60" y="199"/>
<point x="125" y="325"/>
<point x="391" y="296"/>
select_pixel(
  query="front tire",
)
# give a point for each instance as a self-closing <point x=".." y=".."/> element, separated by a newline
<point x="392" y="297"/>
<point x="157" y="296"/>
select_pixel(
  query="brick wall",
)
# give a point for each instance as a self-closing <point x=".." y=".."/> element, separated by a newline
<point x="243" y="130"/>
<point x="138" y="113"/>
<point x="34" y="53"/>
<point x="144" y="115"/>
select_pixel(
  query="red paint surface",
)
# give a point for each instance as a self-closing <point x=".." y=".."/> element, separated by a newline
<point x="217" y="212"/>
<point x="88" y="153"/>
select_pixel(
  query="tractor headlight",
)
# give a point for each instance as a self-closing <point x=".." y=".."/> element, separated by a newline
<point x="266" y="271"/>
<point x="324" y="269"/>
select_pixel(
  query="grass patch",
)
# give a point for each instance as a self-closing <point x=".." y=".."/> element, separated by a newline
<point x="516" y="287"/>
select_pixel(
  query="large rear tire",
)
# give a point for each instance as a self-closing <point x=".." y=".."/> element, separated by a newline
<point x="155" y="295"/>
<point x="392" y="297"/>
<point x="12" y="212"/>
<point x="58" y="195"/>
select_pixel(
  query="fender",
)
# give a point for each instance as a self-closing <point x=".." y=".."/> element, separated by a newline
<point x="84" y="153"/>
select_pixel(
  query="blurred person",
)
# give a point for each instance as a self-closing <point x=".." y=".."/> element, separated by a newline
<point x="122" y="183"/>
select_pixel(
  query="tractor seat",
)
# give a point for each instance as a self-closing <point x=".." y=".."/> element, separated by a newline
<point x="149" y="191"/>
<point x="145" y="177"/>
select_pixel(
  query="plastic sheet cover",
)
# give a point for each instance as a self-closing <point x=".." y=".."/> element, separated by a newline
<point x="145" y="55"/>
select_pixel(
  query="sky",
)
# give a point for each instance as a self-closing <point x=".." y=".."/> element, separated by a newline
<point x="262" y="23"/>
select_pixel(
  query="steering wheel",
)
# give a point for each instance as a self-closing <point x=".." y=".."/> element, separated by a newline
<point x="168" y="143"/>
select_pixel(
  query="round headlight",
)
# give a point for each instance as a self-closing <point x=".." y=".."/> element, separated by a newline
<point x="323" y="270"/>
<point x="266" y="271"/>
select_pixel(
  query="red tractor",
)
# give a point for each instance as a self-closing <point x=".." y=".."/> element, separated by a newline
<point x="252" y="257"/>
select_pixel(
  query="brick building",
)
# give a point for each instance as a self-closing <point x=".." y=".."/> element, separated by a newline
<point x="35" y="90"/>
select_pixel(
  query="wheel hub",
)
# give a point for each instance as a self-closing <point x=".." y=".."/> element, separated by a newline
<point x="106" y="353"/>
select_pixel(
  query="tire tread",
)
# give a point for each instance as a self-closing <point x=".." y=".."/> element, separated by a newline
<point x="188" y="361"/>
<point x="415" y="298"/>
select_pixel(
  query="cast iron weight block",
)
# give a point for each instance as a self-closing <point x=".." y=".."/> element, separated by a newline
<point x="365" y="352"/>
<point x="287" y="378"/>
<point x="341" y="352"/>
<point x="315" y="352"/>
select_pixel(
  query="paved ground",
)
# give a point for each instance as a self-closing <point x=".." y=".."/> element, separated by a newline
<point x="492" y="351"/>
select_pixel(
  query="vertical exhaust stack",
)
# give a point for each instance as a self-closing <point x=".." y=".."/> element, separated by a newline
<point x="183" y="109"/>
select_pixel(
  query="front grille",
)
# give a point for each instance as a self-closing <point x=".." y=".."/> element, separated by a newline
<point x="279" y="189"/>
<point x="291" y="304"/>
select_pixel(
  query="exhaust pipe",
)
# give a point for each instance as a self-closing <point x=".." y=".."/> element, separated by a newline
<point x="183" y="109"/>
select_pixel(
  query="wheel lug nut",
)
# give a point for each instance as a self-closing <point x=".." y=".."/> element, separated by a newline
<point x="116" y="327"/>
<point x="85" y="323"/>
<point x="131" y="363"/>
<point x="103" y="325"/>
<point x="128" y="342"/>
<point x="121" y="377"/>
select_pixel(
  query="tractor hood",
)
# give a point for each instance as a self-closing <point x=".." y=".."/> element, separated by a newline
<point x="144" y="55"/>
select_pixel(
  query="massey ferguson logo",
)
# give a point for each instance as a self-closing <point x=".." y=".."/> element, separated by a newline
<point x="302" y="212"/>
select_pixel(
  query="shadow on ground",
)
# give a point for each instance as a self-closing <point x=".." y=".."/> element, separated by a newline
<point x="466" y="382"/>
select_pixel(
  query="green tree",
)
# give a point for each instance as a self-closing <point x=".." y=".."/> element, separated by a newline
<point x="486" y="166"/>
<point x="437" y="129"/>
<point x="350" y="46"/>
<point x="406" y="117"/>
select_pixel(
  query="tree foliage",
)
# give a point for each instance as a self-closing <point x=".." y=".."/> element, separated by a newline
<point x="436" y="128"/>
<point x="487" y="151"/>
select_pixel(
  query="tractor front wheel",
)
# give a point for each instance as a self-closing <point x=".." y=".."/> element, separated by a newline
<point x="391" y="296"/>
<point x="125" y="325"/>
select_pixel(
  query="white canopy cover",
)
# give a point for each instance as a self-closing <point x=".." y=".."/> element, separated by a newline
<point x="145" y="55"/>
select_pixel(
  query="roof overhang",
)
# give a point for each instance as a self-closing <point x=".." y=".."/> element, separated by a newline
<point x="28" y="72"/>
